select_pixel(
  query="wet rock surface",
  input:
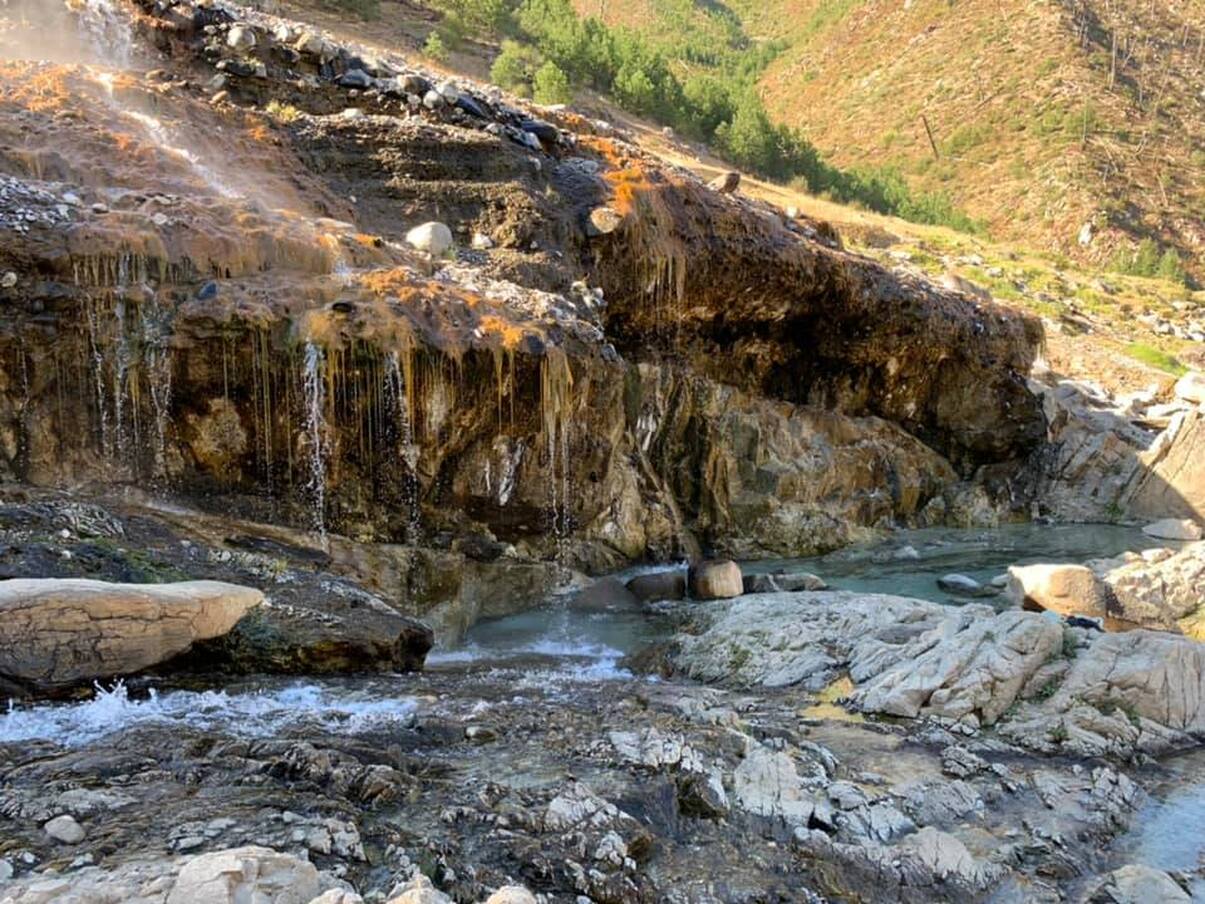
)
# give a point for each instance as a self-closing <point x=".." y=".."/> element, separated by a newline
<point x="620" y="791"/>
<point x="268" y="344"/>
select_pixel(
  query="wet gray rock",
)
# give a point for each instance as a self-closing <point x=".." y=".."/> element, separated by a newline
<point x="786" y="582"/>
<point x="65" y="830"/>
<point x="661" y="585"/>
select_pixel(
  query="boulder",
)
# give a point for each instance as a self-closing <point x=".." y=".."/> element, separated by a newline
<point x="1138" y="884"/>
<point x="603" y="221"/>
<point x="661" y="585"/>
<point x="1065" y="589"/>
<point x="241" y="38"/>
<point x="1191" y="388"/>
<point x="433" y="238"/>
<point x="726" y="183"/>
<point x="246" y="874"/>
<point x="1168" y="593"/>
<point x="720" y="580"/>
<point x="419" y="890"/>
<point x="65" y="829"/>
<point x="61" y="631"/>
<point x="961" y="585"/>
<point x="605" y="595"/>
<point x="511" y="894"/>
<point x="1174" y="529"/>
<point x="338" y="896"/>
<point x="345" y="629"/>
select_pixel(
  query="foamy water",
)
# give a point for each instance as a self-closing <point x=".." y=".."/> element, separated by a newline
<point x="254" y="714"/>
<point x="582" y="659"/>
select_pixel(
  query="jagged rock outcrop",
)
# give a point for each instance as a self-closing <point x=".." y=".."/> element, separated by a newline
<point x="1045" y="685"/>
<point x="1106" y="459"/>
<point x="56" y="632"/>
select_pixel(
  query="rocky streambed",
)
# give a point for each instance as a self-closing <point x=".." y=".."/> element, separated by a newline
<point x="331" y="388"/>
<point x="825" y="745"/>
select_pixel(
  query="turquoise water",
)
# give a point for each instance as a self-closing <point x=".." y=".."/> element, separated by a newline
<point x="1169" y="832"/>
<point x="598" y="640"/>
<point x="886" y="567"/>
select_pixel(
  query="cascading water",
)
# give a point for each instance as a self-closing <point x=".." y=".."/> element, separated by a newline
<point x="401" y="420"/>
<point x="314" y="385"/>
<point x="156" y="337"/>
<point x="107" y="31"/>
<point x="556" y="387"/>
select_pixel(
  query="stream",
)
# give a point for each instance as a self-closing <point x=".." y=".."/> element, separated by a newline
<point x="557" y="652"/>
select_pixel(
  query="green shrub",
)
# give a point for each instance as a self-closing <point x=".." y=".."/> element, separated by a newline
<point x="435" y="47"/>
<point x="1171" y="267"/>
<point x="550" y="85"/>
<point x="515" y="67"/>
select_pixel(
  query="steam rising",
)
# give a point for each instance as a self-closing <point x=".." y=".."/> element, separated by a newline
<point x="77" y="31"/>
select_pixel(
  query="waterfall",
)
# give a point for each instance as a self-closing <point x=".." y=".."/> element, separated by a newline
<point x="556" y="391"/>
<point x="397" y="401"/>
<point x="315" y="403"/>
<point x="156" y="338"/>
<point x="106" y="32"/>
<point x="121" y="370"/>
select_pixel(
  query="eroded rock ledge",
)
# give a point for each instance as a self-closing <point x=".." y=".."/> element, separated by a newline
<point x="262" y="344"/>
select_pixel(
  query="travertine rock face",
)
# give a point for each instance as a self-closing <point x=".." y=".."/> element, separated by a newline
<point x="56" y="631"/>
<point x="720" y="382"/>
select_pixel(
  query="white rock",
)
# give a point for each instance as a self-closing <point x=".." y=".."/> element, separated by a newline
<point x="419" y="890"/>
<point x="338" y="896"/>
<point x="434" y="238"/>
<point x="1174" y="529"/>
<point x="240" y="37"/>
<point x="1065" y="589"/>
<point x="8" y="280"/>
<point x="482" y="242"/>
<point x="65" y="829"/>
<point x="247" y="875"/>
<point x="1191" y="387"/>
<point x="512" y="894"/>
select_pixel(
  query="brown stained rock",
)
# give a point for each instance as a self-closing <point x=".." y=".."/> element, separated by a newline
<point x="55" y="632"/>
<point x="716" y="580"/>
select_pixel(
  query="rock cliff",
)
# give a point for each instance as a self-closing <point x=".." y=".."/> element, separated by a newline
<point x="213" y="297"/>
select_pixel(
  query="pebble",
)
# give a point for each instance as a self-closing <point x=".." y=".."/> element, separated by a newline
<point x="65" y="829"/>
<point x="8" y="280"/>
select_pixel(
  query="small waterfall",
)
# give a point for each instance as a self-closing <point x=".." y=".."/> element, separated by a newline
<point x="106" y="31"/>
<point x="97" y="344"/>
<point x="315" y="404"/>
<point x="556" y="393"/>
<point x="121" y="371"/>
<point x="397" y="401"/>
<point x="157" y="361"/>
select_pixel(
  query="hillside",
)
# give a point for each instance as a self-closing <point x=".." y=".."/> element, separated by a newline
<point x="1038" y="126"/>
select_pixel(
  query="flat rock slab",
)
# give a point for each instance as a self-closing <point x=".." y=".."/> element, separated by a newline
<point x="60" y="631"/>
